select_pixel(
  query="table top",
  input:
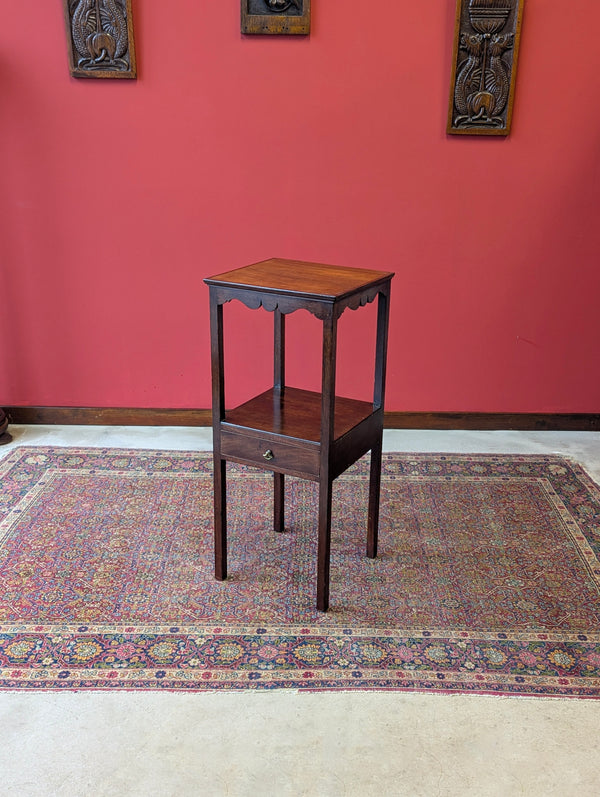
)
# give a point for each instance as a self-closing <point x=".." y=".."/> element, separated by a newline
<point x="297" y="277"/>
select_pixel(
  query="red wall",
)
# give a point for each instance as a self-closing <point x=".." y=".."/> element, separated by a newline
<point x="118" y="197"/>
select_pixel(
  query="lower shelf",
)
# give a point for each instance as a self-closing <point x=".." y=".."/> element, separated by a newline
<point x="280" y="431"/>
<point x="296" y="414"/>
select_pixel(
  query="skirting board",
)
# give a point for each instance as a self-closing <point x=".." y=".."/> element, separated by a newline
<point x="115" y="416"/>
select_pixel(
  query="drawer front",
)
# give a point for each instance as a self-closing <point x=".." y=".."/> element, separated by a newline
<point x="271" y="455"/>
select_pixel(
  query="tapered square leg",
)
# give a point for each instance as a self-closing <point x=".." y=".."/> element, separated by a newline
<point x="324" y="545"/>
<point x="374" y="495"/>
<point x="279" y="502"/>
<point x="220" y="519"/>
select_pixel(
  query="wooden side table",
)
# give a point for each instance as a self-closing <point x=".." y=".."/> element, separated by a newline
<point x="287" y="430"/>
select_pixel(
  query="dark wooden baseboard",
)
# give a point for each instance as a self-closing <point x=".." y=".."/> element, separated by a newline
<point x="468" y="421"/>
<point x="108" y="416"/>
<point x="499" y="421"/>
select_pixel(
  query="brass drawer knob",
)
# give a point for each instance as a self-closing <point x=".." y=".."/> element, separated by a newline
<point x="268" y="454"/>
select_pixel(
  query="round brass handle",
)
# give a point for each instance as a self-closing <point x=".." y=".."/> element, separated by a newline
<point x="268" y="454"/>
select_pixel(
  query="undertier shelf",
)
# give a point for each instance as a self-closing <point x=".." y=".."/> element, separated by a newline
<point x="296" y="413"/>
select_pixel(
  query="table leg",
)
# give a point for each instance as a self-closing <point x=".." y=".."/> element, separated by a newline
<point x="325" y="480"/>
<point x="279" y="384"/>
<point x="218" y="414"/>
<point x="324" y="544"/>
<point x="279" y="502"/>
<point x="220" y="500"/>
<point x="383" y="312"/>
<point x="374" y="493"/>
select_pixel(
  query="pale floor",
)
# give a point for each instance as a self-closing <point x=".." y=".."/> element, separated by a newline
<point x="284" y="743"/>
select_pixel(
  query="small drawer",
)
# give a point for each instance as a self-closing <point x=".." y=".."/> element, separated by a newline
<point x="297" y="460"/>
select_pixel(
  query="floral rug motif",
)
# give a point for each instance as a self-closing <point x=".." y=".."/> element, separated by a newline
<point x="487" y="578"/>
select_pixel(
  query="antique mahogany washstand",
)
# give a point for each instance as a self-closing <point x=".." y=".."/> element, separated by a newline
<point x="287" y="430"/>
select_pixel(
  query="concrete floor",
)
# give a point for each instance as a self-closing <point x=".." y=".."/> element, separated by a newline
<point x="285" y="743"/>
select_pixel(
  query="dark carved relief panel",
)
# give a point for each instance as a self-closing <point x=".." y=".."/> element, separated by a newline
<point x="100" y="38"/>
<point x="276" y="16"/>
<point x="484" y="67"/>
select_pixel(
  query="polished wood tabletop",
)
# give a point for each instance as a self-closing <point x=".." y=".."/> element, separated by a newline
<point x="297" y="277"/>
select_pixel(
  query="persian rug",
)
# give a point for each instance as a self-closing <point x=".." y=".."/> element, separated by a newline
<point x="487" y="578"/>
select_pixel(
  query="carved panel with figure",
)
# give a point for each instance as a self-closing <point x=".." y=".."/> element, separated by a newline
<point x="276" y="16"/>
<point x="484" y="66"/>
<point x="100" y="38"/>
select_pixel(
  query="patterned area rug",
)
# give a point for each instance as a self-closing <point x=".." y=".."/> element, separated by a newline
<point x="487" y="579"/>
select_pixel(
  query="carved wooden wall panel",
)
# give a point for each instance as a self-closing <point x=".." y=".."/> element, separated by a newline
<point x="484" y="66"/>
<point x="100" y="38"/>
<point x="276" y="16"/>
